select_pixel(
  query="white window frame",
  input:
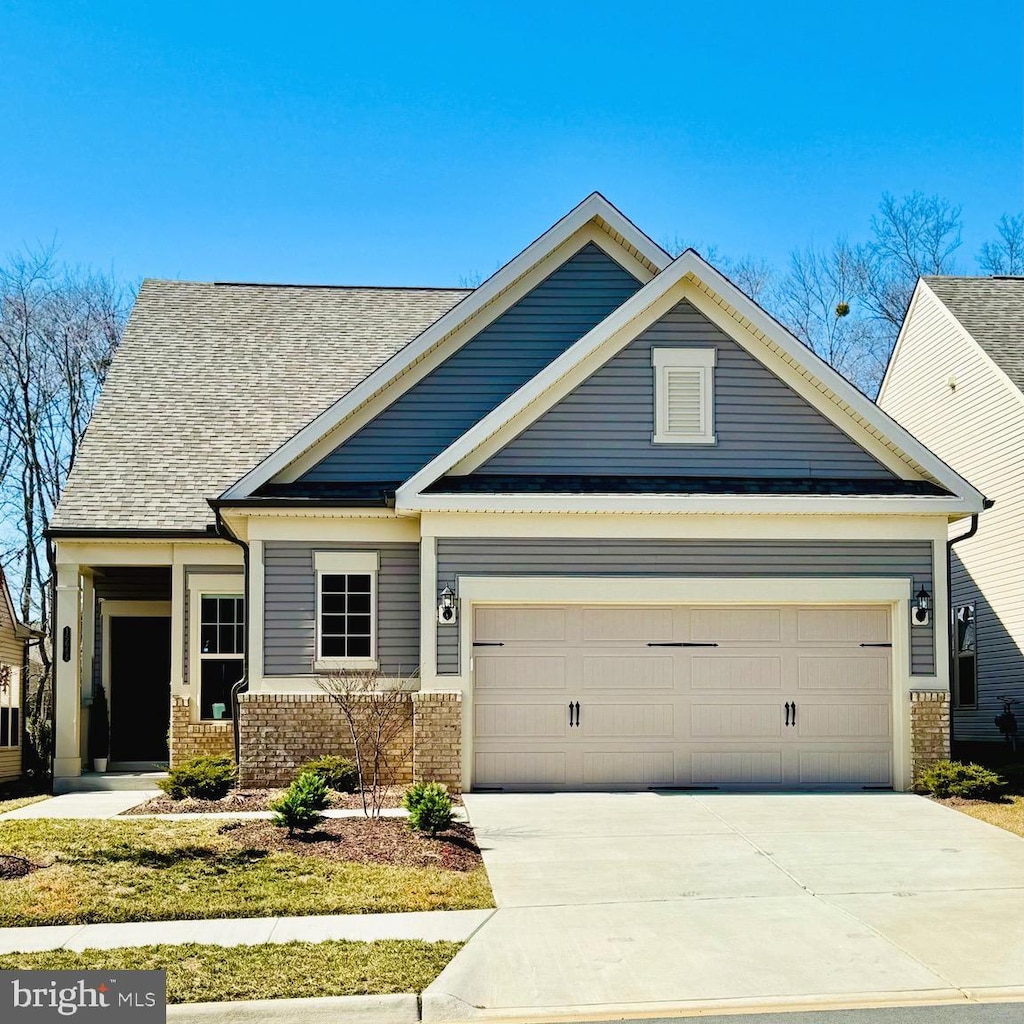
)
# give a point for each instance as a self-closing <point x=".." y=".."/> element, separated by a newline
<point x="703" y="359"/>
<point x="10" y="698"/>
<point x="200" y="586"/>
<point x="336" y="563"/>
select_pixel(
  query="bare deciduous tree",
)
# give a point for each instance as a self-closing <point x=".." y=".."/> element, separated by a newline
<point x="377" y="713"/>
<point x="1005" y="255"/>
<point x="58" y="331"/>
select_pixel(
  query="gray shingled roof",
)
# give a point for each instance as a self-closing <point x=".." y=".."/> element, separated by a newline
<point x="991" y="309"/>
<point x="210" y="379"/>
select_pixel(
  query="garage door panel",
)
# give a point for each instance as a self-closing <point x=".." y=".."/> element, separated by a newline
<point x="737" y="768"/>
<point x="632" y="768"/>
<point x="847" y="625"/>
<point x="728" y="672"/>
<point x="536" y="767"/>
<point x="845" y="767"/>
<point x="735" y="624"/>
<point x="628" y="720"/>
<point x="868" y="673"/>
<point x="520" y="672"/>
<point x="639" y="624"/>
<point x="843" y="721"/>
<point x="735" y="721"/>
<point x="496" y="625"/>
<point x="521" y="720"/>
<point x="629" y="672"/>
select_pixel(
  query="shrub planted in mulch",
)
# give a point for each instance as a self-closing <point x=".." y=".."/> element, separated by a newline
<point x="365" y="841"/>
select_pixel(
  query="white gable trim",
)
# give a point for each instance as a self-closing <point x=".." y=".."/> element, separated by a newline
<point x="691" y="277"/>
<point x="616" y="235"/>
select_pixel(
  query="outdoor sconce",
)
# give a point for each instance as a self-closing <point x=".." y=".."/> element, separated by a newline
<point x="922" y="608"/>
<point x="446" y="614"/>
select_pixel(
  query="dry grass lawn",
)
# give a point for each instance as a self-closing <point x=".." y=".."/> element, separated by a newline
<point x="294" y="970"/>
<point x="1008" y="814"/>
<point x="150" y="870"/>
<point x="20" y="801"/>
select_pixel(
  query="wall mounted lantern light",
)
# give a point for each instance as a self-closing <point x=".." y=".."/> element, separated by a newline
<point x="446" y="614"/>
<point x="922" y="607"/>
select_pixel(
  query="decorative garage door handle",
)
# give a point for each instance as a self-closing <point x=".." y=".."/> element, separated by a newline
<point x="488" y="643"/>
<point x="876" y="645"/>
<point x="790" y="707"/>
<point x="574" y="708"/>
<point x="679" y="643"/>
<point x="787" y="712"/>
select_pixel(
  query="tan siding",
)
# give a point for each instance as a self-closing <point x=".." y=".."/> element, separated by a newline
<point x="10" y="763"/>
<point x="11" y="649"/>
<point x="978" y="428"/>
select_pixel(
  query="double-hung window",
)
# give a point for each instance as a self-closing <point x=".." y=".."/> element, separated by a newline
<point x="965" y="657"/>
<point x="684" y="395"/>
<point x="10" y="706"/>
<point x="217" y="649"/>
<point x="346" y="609"/>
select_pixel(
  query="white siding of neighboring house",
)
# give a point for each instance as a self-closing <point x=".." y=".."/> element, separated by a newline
<point x="11" y="653"/>
<point x="978" y="429"/>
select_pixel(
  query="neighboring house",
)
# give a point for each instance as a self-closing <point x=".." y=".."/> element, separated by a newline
<point x="14" y="638"/>
<point x="622" y="527"/>
<point x="956" y="381"/>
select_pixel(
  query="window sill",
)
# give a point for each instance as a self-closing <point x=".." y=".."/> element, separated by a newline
<point x="215" y="721"/>
<point x="330" y="664"/>
<point x="705" y="439"/>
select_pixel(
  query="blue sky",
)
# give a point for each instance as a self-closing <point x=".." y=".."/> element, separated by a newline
<point x="420" y="143"/>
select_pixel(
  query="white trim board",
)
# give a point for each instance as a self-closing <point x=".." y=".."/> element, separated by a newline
<point x="594" y="210"/>
<point x="690" y="277"/>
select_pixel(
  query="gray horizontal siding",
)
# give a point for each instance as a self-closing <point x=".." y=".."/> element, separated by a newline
<point x="289" y="606"/>
<point x="125" y="583"/>
<point x="681" y="558"/>
<point x="762" y="427"/>
<point x="205" y="570"/>
<point x="483" y="373"/>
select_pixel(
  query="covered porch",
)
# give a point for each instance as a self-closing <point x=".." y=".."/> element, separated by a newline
<point x="141" y="629"/>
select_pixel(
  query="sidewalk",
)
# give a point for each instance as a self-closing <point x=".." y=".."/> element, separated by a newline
<point x="428" y="926"/>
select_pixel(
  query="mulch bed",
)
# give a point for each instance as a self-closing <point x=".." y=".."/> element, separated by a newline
<point x="366" y="841"/>
<point x="16" y="867"/>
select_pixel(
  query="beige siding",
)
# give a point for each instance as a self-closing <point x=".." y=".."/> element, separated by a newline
<point x="11" y="648"/>
<point x="10" y="763"/>
<point x="978" y="428"/>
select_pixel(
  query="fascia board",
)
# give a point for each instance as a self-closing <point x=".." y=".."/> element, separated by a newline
<point x="911" y="310"/>
<point x="952" y="507"/>
<point x="593" y="207"/>
<point x="749" y="313"/>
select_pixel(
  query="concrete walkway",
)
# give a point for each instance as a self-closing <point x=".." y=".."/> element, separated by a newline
<point x="429" y="926"/>
<point x="651" y="902"/>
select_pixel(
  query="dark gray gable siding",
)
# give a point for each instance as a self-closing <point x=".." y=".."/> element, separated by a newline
<point x="763" y="428"/>
<point x="289" y="607"/>
<point x="440" y="408"/>
<point x="715" y="558"/>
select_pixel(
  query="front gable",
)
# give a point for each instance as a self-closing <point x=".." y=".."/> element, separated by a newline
<point x="508" y="352"/>
<point x="762" y="427"/>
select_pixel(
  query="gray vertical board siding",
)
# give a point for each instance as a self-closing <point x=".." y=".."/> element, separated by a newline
<point x="206" y="570"/>
<point x="762" y="426"/>
<point x="289" y="606"/>
<point x="681" y="558"/>
<point x="125" y="583"/>
<point x="1000" y="661"/>
<point x="498" y="361"/>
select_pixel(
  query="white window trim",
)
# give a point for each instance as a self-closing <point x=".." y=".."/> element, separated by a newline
<point x="200" y="586"/>
<point x="955" y="681"/>
<point x="328" y="563"/>
<point x="11" y="700"/>
<point x="703" y="359"/>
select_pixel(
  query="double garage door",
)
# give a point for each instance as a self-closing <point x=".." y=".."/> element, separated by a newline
<point x="579" y="697"/>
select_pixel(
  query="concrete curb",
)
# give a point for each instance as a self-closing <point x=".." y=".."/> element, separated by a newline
<point x="394" y="1009"/>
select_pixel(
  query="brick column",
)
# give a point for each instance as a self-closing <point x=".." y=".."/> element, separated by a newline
<point x="929" y="728"/>
<point x="437" y="738"/>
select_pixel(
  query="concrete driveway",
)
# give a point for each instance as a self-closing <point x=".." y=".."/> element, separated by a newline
<point x="648" y="902"/>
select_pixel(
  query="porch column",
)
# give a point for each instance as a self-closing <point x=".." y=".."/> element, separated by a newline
<point x="88" y="654"/>
<point x="68" y="678"/>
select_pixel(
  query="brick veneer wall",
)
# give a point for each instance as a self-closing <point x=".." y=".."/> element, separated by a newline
<point x="278" y="732"/>
<point x="929" y="728"/>
<point x="194" y="739"/>
<point x="437" y="738"/>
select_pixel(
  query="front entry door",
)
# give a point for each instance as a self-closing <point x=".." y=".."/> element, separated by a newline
<point x="140" y="687"/>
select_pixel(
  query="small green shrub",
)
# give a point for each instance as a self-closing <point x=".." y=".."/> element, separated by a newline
<point x="969" y="781"/>
<point x="429" y="807"/>
<point x="338" y="773"/>
<point x="201" y="778"/>
<point x="300" y="806"/>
